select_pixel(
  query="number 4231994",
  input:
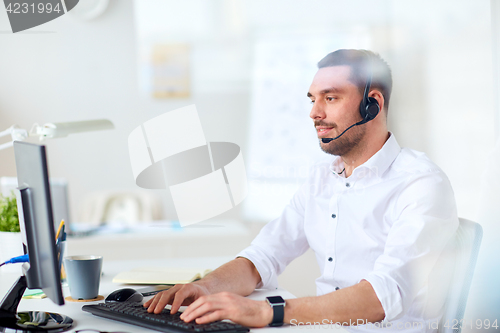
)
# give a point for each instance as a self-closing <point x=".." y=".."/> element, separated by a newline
<point x="23" y="8"/>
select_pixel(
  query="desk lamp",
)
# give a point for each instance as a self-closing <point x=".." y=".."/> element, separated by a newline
<point x="54" y="130"/>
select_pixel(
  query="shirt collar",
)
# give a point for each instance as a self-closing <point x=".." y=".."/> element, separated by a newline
<point x="378" y="163"/>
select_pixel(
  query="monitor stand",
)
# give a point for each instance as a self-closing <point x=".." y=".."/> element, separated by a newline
<point x="29" y="321"/>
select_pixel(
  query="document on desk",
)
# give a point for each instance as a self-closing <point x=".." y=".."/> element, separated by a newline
<point x="160" y="275"/>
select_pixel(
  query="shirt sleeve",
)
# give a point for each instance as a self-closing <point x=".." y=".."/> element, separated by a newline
<point x="279" y="242"/>
<point x="425" y="219"/>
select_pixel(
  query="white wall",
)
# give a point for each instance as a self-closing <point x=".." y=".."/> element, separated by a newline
<point x="69" y="70"/>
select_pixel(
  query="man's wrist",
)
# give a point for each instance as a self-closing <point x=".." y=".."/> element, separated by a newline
<point x="267" y="312"/>
<point x="203" y="284"/>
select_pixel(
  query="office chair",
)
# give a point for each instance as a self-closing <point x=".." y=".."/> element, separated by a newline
<point x="129" y="207"/>
<point x="465" y="245"/>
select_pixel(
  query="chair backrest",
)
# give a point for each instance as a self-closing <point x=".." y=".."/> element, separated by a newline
<point x="127" y="207"/>
<point x="465" y="245"/>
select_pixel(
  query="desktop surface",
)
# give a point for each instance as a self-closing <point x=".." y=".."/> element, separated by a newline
<point x="84" y="320"/>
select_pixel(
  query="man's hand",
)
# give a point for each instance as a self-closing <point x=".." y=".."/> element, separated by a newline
<point x="180" y="294"/>
<point x="227" y="305"/>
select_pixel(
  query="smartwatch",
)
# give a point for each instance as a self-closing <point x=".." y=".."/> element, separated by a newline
<point x="278" y="305"/>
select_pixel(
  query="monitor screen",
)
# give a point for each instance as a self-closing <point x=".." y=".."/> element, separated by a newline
<point x="36" y="211"/>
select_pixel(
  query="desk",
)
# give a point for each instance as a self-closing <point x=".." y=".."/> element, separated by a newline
<point x="110" y="269"/>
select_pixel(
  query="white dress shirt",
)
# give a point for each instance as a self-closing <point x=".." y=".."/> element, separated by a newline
<point x="387" y="223"/>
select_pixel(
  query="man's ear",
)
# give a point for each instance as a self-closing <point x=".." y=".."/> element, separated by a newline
<point x="379" y="97"/>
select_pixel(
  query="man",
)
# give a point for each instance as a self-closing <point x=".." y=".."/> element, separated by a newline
<point x="377" y="217"/>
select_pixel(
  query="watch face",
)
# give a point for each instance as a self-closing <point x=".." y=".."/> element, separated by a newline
<point x="275" y="299"/>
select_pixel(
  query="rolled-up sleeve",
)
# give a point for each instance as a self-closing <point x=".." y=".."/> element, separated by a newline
<point x="279" y="242"/>
<point x="425" y="219"/>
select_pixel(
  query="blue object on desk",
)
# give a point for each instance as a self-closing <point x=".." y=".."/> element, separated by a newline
<point x="24" y="258"/>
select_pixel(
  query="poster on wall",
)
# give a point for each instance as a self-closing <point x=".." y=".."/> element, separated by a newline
<point x="169" y="65"/>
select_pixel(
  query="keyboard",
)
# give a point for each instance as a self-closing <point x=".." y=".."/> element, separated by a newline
<point x="135" y="314"/>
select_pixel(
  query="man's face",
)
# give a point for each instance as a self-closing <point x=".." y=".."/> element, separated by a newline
<point x="336" y="107"/>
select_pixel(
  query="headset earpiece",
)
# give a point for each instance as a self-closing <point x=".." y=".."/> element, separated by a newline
<point x="371" y="109"/>
<point x="368" y="109"/>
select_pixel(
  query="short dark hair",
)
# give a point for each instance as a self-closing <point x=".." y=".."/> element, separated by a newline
<point x="361" y="63"/>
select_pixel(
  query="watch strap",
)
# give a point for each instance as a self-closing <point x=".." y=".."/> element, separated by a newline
<point x="278" y="315"/>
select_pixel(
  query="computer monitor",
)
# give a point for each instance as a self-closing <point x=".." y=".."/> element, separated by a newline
<point x="37" y="228"/>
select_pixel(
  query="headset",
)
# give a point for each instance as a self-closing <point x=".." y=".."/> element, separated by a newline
<point x="368" y="108"/>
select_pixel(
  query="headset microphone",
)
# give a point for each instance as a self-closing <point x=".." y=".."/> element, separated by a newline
<point x="368" y="108"/>
<point x="326" y="140"/>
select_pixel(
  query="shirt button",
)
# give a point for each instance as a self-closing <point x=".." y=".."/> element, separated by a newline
<point x="330" y="259"/>
<point x="334" y="216"/>
<point x="347" y="185"/>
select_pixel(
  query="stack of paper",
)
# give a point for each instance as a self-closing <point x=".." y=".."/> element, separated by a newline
<point x="33" y="293"/>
